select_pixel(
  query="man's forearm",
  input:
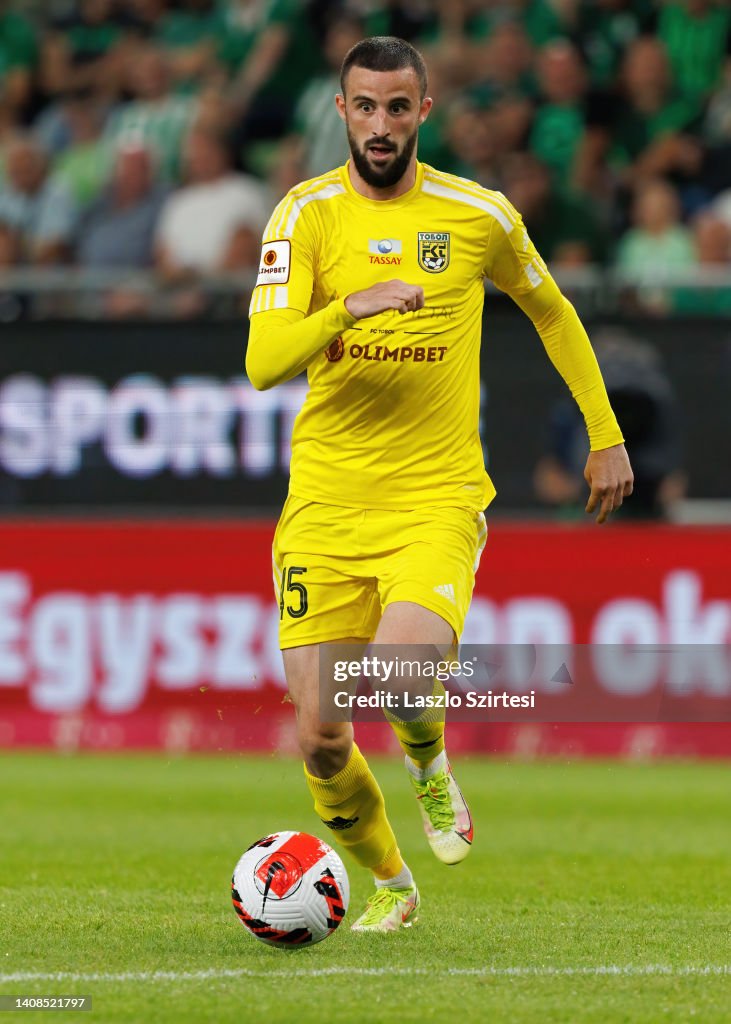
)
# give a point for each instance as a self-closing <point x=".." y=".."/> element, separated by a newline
<point x="283" y="342"/>
<point x="570" y="351"/>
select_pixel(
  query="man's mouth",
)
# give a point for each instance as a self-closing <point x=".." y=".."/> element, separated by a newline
<point x="380" y="152"/>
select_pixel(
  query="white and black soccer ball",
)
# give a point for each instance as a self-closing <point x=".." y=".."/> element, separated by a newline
<point x="290" y="889"/>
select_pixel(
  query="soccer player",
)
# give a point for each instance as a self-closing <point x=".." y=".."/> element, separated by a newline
<point x="372" y="279"/>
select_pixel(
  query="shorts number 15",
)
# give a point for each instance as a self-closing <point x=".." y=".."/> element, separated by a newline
<point x="290" y="586"/>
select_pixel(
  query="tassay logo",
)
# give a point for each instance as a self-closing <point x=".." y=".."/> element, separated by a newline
<point x="385" y="250"/>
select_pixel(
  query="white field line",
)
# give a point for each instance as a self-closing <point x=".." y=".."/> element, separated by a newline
<point x="546" y="971"/>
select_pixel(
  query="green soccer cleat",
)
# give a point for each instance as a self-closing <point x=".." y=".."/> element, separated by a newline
<point x="446" y="816"/>
<point x="389" y="909"/>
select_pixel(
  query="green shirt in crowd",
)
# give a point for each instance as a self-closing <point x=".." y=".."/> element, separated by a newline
<point x="555" y="136"/>
<point x="302" y="59"/>
<point x="697" y="46"/>
<point x="18" y="44"/>
<point x="643" y="254"/>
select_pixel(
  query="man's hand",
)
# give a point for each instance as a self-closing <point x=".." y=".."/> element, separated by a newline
<point x="404" y="298"/>
<point x="609" y="475"/>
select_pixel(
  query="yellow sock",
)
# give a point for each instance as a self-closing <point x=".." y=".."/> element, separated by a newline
<point x="422" y="739"/>
<point x="351" y="805"/>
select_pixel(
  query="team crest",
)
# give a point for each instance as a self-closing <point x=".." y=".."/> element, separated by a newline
<point x="434" y="251"/>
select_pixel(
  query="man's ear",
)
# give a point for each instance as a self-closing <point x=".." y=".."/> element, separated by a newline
<point x="340" y="104"/>
<point x="426" y="105"/>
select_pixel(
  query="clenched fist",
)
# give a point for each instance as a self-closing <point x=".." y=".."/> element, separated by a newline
<point x="404" y="298"/>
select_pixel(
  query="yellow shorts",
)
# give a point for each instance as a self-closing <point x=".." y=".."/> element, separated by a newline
<point x="336" y="569"/>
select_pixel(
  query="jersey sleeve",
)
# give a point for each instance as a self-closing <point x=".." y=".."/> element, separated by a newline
<point x="287" y="264"/>
<point x="511" y="261"/>
<point x="284" y="337"/>
<point x="515" y="267"/>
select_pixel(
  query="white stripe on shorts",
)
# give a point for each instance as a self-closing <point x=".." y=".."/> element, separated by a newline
<point x="481" y="540"/>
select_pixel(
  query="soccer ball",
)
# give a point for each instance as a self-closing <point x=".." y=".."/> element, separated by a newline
<point x="290" y="889"/>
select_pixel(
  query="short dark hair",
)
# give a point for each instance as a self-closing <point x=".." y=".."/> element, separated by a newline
<point x="384" y="53"/>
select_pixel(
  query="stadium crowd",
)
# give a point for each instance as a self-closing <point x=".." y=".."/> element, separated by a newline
<point x="159" y="133"/>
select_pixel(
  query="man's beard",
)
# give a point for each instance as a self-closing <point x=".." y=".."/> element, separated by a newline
<point x="393" y="172"/>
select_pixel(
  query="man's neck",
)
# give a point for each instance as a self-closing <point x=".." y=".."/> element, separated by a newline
<point x="402" y="186"/>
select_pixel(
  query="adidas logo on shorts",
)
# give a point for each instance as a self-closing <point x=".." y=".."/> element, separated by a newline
<point x="446" y="590"/>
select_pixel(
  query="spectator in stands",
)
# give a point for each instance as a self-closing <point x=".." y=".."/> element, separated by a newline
<point x="505" y="61"/>
<point x="119" y="228"/>
<point x="471" y="140"/>
<point x="656" y="245"/>
<point x="53" y="124"/>
<point x="85" y="160"/>
<point x="560" y="225"/>
<point x="402" y="18"/>
<point x="83" y="50"/>
<point x="644" y="130"/>
<point x="657" y="239"/>
<point x="320" y="138"/>
<point x="214" y="223"/>
<point x="188" y="33"/>
<point x="141" y="19"/>
<point x="272" y="67"/>
<point x="558" y="127"/>
<point x="242" y="23"/>
<point x="712" y="242"/>
<point x="605" y="28"/>
<point x="18" y="61"/>
<point x="154" y="116"/>
<point x="36" y="208"/>
<point x="697" y="36"/>
<point x="499" y="99"/>
<point x="545" y="20"/>
<point x="510" y="121"/>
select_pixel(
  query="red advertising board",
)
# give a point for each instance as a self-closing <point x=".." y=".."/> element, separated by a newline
<point x="163" y="635"/>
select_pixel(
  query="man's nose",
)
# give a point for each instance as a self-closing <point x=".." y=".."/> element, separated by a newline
<point x="380" y="124"/>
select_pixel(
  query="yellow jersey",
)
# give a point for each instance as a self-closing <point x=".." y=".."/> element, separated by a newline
<point x="391" y="416"/>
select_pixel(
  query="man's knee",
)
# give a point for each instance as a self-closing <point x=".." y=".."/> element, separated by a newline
<point x="325" y="747"/>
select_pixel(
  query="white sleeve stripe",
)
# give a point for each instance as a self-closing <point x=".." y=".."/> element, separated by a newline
<point x="269" y="297"/>
<point x="472" y="188"/>
<point x="533" y="274"/>
<point x="499" y="198"/>
<point x="445" y="192"/>
<point x="275" y="227"/>
<point x="326" y="192"/>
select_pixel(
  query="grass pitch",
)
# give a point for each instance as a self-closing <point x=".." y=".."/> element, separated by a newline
<point x="594" y="893"/>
